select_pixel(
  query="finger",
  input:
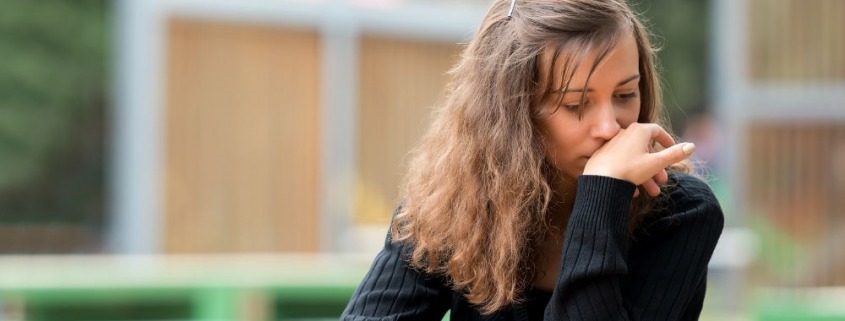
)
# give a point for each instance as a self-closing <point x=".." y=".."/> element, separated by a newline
<point x="661" y="177"/>
<point x="660" y="135"/>
<point x="651" y="188"/>
<point x="671" y="155"/>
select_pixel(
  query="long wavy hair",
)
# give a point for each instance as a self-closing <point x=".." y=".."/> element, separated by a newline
<point x="478" y="187"/>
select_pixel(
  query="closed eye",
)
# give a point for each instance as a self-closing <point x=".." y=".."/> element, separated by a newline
<point x="572" y="108"/>
<point x="626" y="97"/>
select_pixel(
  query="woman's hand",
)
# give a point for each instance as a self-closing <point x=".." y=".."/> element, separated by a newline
<point x="629" y="156"/>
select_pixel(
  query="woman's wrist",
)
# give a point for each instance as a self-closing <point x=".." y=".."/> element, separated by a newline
<point x="604" y="171"/>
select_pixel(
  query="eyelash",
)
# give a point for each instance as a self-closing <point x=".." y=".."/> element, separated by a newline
<point x="622" y="98"/>
<point x="626" y="97"/>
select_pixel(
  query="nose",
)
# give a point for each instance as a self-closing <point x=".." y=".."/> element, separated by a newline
<point x="605" y="125"/>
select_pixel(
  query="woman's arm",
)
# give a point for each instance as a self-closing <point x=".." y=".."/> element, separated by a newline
<point x="394" y="291"/>
<point x="599" y="280"/>
<point x="668" y="258"/>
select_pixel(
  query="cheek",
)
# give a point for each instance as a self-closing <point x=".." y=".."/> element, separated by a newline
<point x="561" y="138"/>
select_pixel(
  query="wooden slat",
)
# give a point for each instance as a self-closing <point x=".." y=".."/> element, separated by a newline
<point x="837" y="167"/>
<point x="241" y="158"/>
<point x="795" y="187"/>
<point x="400" y="81"/>
<point x="797" y="40"/>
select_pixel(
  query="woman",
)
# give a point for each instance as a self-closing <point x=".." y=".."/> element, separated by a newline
<point x="540" y="191"/>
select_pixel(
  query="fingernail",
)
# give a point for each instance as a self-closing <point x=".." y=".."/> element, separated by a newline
<point x="689" y="148"/>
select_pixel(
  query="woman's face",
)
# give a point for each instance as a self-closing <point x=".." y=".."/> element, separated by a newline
<point x="574" y="131"/>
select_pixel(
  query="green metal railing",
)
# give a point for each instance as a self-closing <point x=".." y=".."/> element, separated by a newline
<point x="198" y="288"/>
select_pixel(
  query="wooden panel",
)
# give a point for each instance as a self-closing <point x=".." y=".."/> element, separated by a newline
<point x="796" y="183"/>
<point x="400" y="81"/>
<point x="797" y="40"/>
<point x="242" y="144"/>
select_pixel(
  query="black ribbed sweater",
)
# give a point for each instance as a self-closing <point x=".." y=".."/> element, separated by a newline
<point x="658" y="274"/>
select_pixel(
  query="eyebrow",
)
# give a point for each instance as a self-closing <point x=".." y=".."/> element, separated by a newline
<point x="625" y="81"/>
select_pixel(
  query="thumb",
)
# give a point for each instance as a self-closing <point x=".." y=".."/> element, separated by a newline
<point x="674" y="154"/>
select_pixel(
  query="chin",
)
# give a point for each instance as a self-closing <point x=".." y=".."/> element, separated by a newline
<point x="571" y="172"/>
<point x="572" y="175"/>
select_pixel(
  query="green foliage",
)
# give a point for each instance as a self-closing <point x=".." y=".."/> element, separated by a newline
<point x="682" y="30"/>
<point x="52" y="97"/>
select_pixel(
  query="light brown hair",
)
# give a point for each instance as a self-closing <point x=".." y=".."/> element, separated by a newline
<point x="478" y="187"/>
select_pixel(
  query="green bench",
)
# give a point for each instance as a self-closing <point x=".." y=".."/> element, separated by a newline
<point x="179" y="287"/>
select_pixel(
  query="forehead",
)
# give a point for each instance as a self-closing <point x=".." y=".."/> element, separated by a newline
<point x="616" y="60"/>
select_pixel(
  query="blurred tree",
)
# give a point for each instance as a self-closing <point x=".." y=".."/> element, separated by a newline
<point x="52" y="101"/>
<point x="681" y="28"/>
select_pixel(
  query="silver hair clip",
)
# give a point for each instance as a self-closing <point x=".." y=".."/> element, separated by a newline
<point x="510" y="11"/>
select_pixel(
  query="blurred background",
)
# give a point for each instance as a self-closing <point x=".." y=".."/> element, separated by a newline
<point x="239" y="160"/>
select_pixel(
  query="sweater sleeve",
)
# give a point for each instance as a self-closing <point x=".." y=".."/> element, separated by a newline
<point x="669" y="255"/>
<point x="392" y="290"/>
<point x="599" y="280"/>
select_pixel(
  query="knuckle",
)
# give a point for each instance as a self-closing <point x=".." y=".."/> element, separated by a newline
<point x="678" y="154"/>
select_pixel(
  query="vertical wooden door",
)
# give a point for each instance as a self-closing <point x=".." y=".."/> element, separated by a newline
<point x="242" y="138"/>
<point x="401" y="81"/>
